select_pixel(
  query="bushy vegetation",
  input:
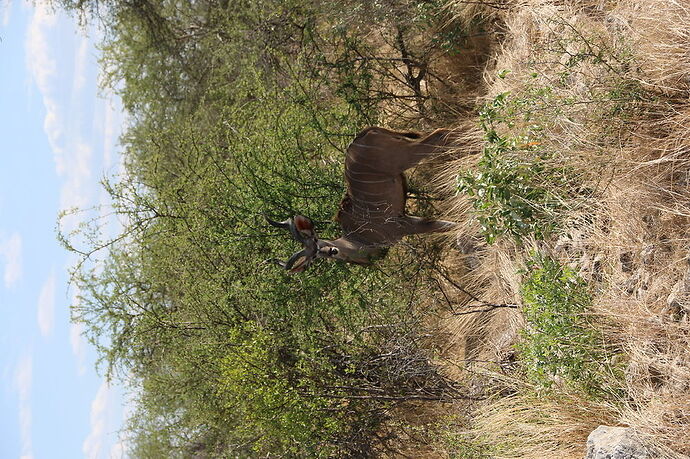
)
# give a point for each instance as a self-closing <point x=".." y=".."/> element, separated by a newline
<point x="546" y="138"/>
<point x="242" y="110"/>
<point x="514" y="189"/>
<point x="579" y="156"/>
<point x="561" y="343"/>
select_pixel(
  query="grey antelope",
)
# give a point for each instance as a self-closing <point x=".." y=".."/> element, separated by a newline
<point x="372" y="213"/>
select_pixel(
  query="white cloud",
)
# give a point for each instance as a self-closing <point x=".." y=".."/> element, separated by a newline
<point x="117" y="451"/>
<point x="42" y="67"/>
<point x="108" y="409"/>
<point x="72" y="155"/>
<point x="73" y="193"/>
<point x="80" y="61"/>
<point x="112" y="122"/>
<point x="46" y="306"/>
<point x="78" y="344"/>
<point x="99" y="420"/>
<point x="120" y="448"/>
<point x="40" y="62"/>
<point x="114" y="119"/>
<point x="7" y="12"/>
<point x="11" y="253"/>
<point x="23" y="379"/>
<point x="109" y="120"/>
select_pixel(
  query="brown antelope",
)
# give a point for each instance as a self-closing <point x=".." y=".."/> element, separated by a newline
<point x="372" y="213"/>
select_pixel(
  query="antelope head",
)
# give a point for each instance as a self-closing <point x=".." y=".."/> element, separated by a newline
<point x="372" y="213"/>
<point x="302" y="229"/>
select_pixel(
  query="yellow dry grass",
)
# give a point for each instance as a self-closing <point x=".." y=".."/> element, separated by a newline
<point x="526" y="426"/>
<point x="630" y="239"/>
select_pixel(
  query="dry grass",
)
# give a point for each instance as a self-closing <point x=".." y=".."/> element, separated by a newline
<point x="526" y="426"/>
<point x="659" y="29"/>
<point x="470" y="12"/>
<point x="626" y="66"/>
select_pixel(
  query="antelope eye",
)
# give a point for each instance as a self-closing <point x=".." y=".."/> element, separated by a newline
<point x="332" y="251"/>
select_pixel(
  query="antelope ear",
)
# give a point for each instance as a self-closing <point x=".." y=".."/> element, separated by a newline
<point x="304" y="225"/>
<point x="299" y="268"/>
<point x="299" y="265"/>
<point x="299" y="261"/>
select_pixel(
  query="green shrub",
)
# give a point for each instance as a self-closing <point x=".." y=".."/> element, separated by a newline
<point x="516" y="189"/>
<point x="560" y="343"/>
<point x="276" y="409"/>
<point x="548" y="139"/>
<point x="237" y="114"/>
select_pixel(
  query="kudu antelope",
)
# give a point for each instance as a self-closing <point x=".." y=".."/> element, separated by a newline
<point x="372" y="213"/>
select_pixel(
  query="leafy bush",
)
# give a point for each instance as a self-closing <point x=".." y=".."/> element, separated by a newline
<point x="560" y="343"/>
<point x="238" y="114"/>
<point x="548" y="138"/>
<point x="515" y="190"/>
<point x="276" y="409"/>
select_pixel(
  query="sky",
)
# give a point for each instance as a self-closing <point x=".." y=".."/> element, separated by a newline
<point x="59" y="136"/>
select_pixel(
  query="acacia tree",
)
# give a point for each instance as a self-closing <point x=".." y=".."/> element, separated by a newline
<point x="225" y="353"/>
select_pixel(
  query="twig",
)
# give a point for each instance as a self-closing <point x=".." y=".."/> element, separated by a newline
<point x="490" y="308"/>
<point x="463" y="290"/>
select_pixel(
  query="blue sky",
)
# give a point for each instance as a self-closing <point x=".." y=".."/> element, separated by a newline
<point x="59" y="138"/>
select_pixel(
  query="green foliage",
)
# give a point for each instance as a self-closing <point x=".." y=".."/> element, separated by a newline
<point x="515" y="189"/>
<point x="450" y="436"/>
<point x="278" y="408"/>
<point x="460" y="445"/>
<point x="560" y="343"/>
<point x="241" y="110"/>
<point x="551" y="133"/>
<point x="464" y="449"/>
<point x="448" y="35"/>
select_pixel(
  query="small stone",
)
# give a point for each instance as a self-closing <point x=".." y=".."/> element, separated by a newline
<point x="675" y="303"/>
<point x="607" y="442"/>
<point x="626" y="259"/>
<point x="598" y="268"/>
<point x="677" y="295"/>
<point x="630" y="286"/>
<point x="647" y="254"/>
<point x="686" y="281"/>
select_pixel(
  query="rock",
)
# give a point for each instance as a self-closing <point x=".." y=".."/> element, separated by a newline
<point x="469" y="249"/>
<point x="618" y="24"/>
<point x="686" y="281"/>
<point x="675" y="308"/>
<point x="677" y="295"/>
<point x="627" y="263"/>
<point x="598" y="268"/>
<point x="607" y="442"/>
<point x="647" y="254"/>
<point x="637" y="283"/>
